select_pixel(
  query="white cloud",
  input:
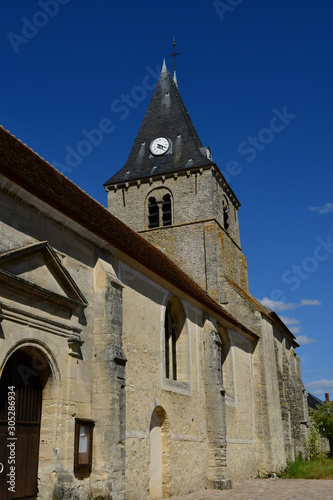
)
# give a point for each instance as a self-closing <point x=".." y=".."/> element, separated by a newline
<point x="275" y="305"/>
<point x="304" y="340"/>
<point x="313" y="370"/>
<point x="325" y="209"/>
<point x="295" y="329"/>
<point x="309" y="303"/>
<point x="289" y="321"/>
<point x="321" y="384"/>
<point x="318" y="392"/>
<point x="283" y="306"/>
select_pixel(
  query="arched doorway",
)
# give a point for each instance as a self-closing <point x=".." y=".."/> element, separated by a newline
<point x="158" y="456"/>
<point x="21" y="387"/>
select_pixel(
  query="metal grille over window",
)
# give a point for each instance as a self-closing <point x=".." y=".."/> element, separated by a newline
<point x="166" y="208"/>
<point x="153" y="213"/>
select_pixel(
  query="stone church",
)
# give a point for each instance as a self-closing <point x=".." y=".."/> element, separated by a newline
<point x="135" y="364"/>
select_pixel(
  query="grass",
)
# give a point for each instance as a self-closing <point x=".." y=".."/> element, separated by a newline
<point x="322" y="468"/>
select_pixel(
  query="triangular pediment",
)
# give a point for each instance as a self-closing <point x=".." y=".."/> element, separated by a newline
<point x="36" y="269"/>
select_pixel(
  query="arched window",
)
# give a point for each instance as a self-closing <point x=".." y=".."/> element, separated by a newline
<point x="166" y="209"/>
<point x="171" y="337"/>
<point x="176" y="351"/>
<point x="225" y="214"/>
<point x="159" y="204"/>
<point x="153" y="213"/>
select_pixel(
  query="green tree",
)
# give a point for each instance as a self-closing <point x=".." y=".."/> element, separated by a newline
<point x="322" y="415"/>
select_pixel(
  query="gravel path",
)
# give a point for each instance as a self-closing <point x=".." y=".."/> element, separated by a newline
<point x="270" y="489"/>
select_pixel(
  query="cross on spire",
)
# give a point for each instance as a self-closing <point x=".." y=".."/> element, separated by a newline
<point x="174" y="55"/>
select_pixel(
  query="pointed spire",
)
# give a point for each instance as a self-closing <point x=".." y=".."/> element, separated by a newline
<point x="166" y="117"/>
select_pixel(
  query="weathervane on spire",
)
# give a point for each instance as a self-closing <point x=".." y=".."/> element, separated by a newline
<point x="174" y="55"/>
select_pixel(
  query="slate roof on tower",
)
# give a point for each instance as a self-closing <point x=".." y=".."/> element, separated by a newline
<point x="166" y="116"/>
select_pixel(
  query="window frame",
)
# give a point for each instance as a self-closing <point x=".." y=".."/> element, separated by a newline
<point x="176" y="373"/>
<point x="226" y="214"/>
<point x="159" y="209"/>
<point x="83" y="464"/>
<point x="171" y="336"/>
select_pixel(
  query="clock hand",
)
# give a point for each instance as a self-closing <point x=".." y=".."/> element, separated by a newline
<point x="160" y="146"/>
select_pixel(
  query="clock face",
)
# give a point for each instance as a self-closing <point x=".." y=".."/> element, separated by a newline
<point x="159" y="146"/>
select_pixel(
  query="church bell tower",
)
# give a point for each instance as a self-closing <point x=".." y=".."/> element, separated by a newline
<point x="172" y="193"/>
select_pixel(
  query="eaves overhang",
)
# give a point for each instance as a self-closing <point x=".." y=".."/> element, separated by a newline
<point x="188" y="170"/>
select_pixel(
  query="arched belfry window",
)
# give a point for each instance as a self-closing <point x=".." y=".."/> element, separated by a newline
<point x="225" y="214"/>
<point x="153" y="215"/>
<point x="166" y="209"/>
<point x="160" y="208"/>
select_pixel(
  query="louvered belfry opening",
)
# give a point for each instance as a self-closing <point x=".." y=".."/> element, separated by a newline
<point x="166" y="208"/>
<point x="153" y="213"/>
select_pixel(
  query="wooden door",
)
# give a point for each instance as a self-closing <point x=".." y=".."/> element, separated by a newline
<point x="22" y="379"/>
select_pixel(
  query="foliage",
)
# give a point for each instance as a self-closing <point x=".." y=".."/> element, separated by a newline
<point x="321" y="468"/>
<point x="322" y="416"/>
<point x="314" y="446"/>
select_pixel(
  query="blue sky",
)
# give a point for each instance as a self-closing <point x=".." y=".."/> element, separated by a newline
<point x="256" y="77"/>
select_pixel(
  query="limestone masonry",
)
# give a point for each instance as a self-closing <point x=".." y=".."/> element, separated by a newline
<point x="143" y="367"/>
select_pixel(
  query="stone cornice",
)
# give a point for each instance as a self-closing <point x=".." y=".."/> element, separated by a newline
<point x="174" y="175"/>
<point x="16" y="315"/>
<point x="23" y="286"/>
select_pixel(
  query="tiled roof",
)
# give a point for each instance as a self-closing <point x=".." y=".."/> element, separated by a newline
<point x="25" y="168"/>
<point x="313" y="401"/>
<point x="166" y="116"/>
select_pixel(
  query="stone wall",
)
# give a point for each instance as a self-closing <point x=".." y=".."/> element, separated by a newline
<point x="67" y="311"/>
<point x="182" y="401"/>
<point x="240" y="407"/>
<point x="197" y="240"/>
<point x="95" y="319"/>
<point x="264" y="401"/>
<point x="197" y="194"/>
